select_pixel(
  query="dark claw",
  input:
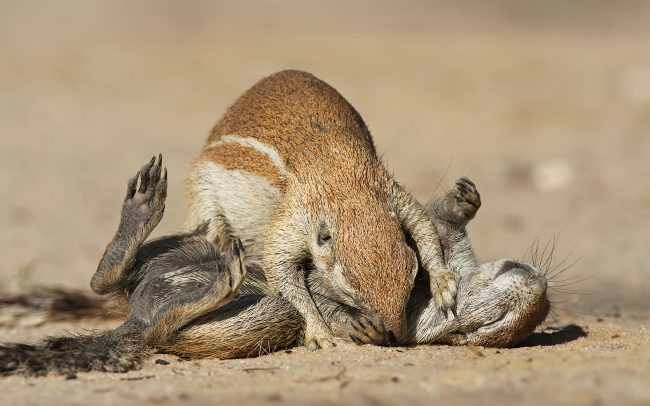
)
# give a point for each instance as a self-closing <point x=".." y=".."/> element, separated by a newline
<point x="130" y="186"/>
<point x="154" y="172"/>
<point x="381" y="332"/>
<point x="161" y="190"/>
<point x="366" y="330"/>
<point x="144" y="175"/>
<point x="466" y="181"/>
<point x="358" y="327"/>
<point x="356" y="340"/>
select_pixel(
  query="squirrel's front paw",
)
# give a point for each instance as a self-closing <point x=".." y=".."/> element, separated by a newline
<point x="444" y="285"/>
<point x="315" y="341"/>
<point x="366" y="329"/>
<point x="458" y="206"/>
<point x="467" y="199"/>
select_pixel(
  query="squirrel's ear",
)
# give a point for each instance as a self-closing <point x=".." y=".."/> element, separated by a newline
<point x="324" y="235"/>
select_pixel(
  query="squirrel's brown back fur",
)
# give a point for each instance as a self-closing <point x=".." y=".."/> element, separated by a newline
<point x="307" y="121"/>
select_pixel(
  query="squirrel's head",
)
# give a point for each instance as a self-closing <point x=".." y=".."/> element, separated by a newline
<point x="500" y="304"/>
<point x="366" y="264"/>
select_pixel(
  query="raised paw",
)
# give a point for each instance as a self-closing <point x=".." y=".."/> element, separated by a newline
<point x="467" y="197"/>
<point x="366" y="329"/>
<point x="460" y="205"/>
<point x="444" y="284"/>
<point x="144" y="205"/>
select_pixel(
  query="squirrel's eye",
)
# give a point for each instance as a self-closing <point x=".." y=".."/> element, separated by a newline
<point x="323" y="234"/>
<point x="323" y="238"/>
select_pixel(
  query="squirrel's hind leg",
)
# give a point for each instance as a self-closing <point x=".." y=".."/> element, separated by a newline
<point x="183" y="284"/>
<point x="190" y="302"/>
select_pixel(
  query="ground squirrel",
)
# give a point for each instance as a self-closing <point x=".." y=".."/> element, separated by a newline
<point x="291" y="170"/>
<point x="186" y="297"/>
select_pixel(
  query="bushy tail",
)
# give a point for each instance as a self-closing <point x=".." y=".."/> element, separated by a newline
<point x="43" y="305"/>
<point x="112" y="351"/>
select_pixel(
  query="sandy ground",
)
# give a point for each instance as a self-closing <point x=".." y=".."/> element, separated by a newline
<point x="545" y="105"/>
<point x="593" y="362"/>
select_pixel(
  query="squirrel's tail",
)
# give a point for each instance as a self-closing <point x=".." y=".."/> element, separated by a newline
<point x="118" y="350"/>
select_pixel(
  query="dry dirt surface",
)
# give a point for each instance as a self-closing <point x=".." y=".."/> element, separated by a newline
<point x="545" y="105"/>
<point x="584" y="361"/>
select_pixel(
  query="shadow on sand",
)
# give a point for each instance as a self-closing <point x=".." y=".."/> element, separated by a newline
<point x="554" y="336"/>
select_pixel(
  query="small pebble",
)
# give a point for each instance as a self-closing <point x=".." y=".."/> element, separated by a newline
<point x="161" y="362"/>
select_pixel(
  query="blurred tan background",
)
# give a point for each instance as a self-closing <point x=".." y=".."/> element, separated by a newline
<point x="546" y="105"/>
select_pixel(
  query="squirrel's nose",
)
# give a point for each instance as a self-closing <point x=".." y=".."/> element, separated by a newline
<point x="390" y="338"/>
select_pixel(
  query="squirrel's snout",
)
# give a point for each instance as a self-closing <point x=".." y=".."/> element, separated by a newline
<point x="538" y="281"/>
